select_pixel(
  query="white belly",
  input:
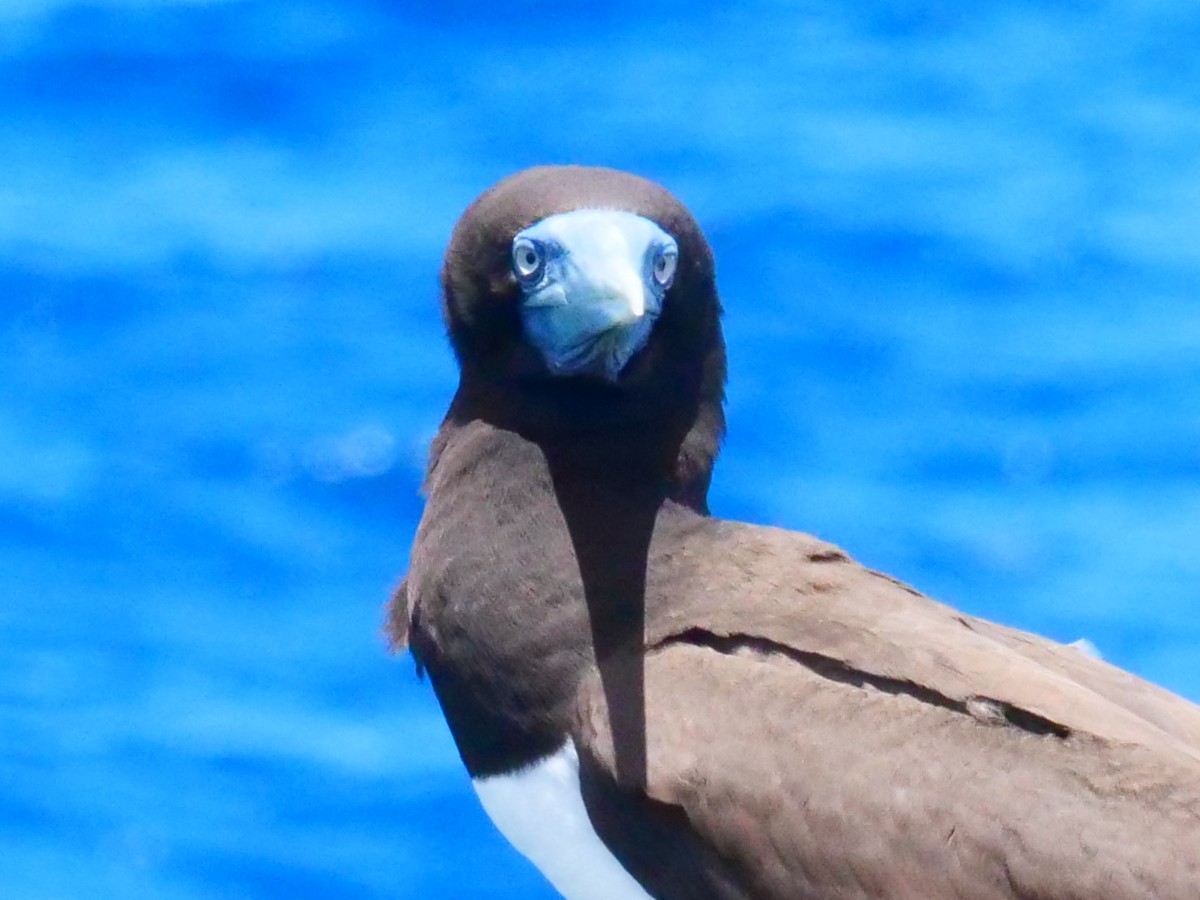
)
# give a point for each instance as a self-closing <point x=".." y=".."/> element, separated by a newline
<point x="540" y="811"/>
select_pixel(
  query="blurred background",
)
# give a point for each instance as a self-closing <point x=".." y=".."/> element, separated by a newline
<point x="958" y="251"/>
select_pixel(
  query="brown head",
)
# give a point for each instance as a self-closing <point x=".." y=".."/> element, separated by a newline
<point x="582" y="301"/>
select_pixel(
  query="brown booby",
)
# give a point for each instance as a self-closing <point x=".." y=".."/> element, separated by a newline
<point x="653" y="702"/>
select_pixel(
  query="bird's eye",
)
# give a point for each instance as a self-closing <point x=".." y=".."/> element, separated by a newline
<point x="664" y="266"/>
<point x="528" y="259"/>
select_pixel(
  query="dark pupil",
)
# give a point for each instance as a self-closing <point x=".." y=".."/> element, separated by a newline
<point x="530" y="259"/>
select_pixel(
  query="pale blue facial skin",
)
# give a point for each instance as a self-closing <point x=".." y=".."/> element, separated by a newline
<point x="592" y="284"/>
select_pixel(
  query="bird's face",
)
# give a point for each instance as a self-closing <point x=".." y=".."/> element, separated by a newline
<point x="584" y="294"/>
<point x="592" y="284"/>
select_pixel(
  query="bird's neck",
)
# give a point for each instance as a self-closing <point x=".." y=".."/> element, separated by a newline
<point x="625" y="447"/>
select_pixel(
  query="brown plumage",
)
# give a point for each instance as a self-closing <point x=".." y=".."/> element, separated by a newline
<point x="756" y="715"/>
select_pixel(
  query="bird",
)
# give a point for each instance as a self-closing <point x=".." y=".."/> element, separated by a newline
<point x="652" y="701"/>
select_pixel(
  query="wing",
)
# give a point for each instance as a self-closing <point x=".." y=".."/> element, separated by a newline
<point x="815" y="730"/>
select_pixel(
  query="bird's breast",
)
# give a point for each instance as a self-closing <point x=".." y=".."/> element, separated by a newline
<point x="539" y="809"/>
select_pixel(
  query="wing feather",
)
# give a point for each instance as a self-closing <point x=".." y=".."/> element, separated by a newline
<point x="784" y="784"/>
<point x="814" y="729"/>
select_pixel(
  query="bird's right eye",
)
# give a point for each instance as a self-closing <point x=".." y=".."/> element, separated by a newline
<point x="528" y="260"/>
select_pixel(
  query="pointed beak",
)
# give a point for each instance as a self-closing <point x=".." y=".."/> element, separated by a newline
<point x="617" y="296"/>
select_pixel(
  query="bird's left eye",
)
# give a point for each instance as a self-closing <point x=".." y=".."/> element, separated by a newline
<point x="664" y="266"/>
<point x="528" y="259"/>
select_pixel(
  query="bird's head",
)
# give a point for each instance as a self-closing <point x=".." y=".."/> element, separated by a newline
<point x="585" y="298"/>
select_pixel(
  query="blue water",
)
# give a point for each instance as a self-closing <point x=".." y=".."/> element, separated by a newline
<point x="958" y="251"/>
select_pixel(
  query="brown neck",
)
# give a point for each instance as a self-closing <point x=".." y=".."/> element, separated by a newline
<point x="661" y="436"/>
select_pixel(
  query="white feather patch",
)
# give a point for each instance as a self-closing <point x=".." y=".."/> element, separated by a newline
<point x="540" y="810"/>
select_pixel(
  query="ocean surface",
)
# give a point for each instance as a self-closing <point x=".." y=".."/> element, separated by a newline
<point x="958" y="249"/>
